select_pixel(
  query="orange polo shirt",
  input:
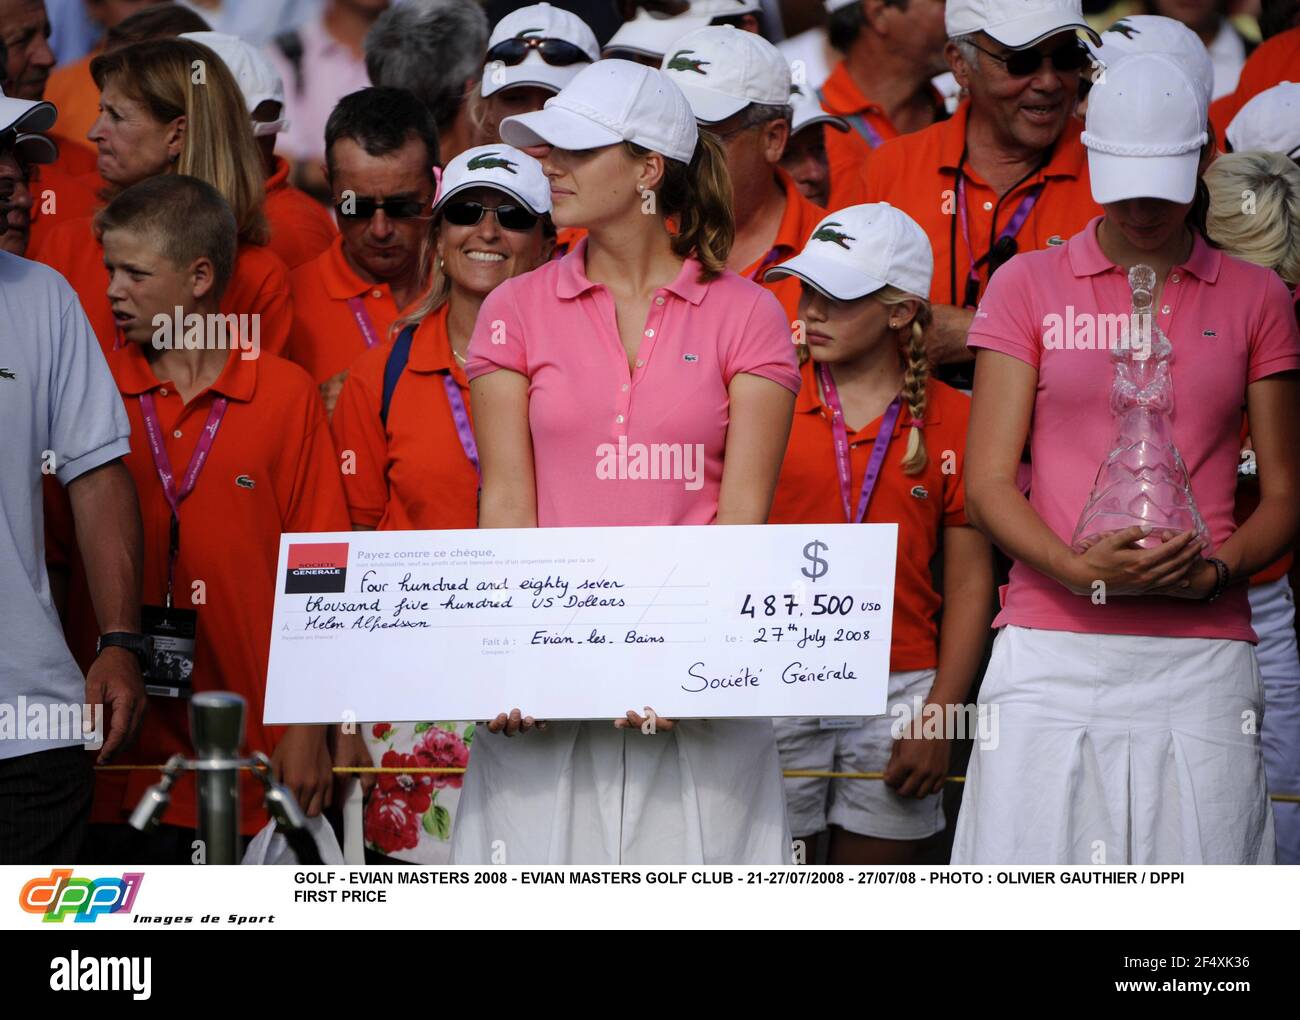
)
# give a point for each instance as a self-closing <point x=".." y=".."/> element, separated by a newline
<point x="301" y="227"/>
<point x="566" y="239"/>
<point x="414" y="473"/>
<point x="270" y="469"/>
<point x="326" y="339"/>
<point x="260" y="284"/>
<point x="74" y="92"/>
<point x="797" y="224"/>
<point x="65" y="190"/>
<point x="922" y="505"/>
<point x="847" y="151"/>
<point x="1275" y="60"/>
<point x="917" y="173"/>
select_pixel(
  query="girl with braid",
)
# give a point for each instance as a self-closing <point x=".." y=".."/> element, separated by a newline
<point x="876" y="440"/>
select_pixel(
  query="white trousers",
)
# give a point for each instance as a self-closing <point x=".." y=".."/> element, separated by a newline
<point x="1118" y="749"/>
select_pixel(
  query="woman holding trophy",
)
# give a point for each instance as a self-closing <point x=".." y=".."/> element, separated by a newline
<point x="1124" y="673"/>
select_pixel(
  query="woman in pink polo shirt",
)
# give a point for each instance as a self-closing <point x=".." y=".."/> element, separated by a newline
<point x="639" y="335"/>
<point x="1124" y="679"/>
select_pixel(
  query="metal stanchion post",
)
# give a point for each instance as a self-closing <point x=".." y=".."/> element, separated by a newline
<point x="217" y="730"/>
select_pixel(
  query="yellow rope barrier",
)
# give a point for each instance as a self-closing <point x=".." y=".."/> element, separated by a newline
<point x="1284" y="798"/>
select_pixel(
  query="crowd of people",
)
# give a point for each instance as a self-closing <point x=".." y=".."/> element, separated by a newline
<point x="330" y="265"/>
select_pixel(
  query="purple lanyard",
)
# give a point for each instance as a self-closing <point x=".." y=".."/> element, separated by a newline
<point x="368" y="332"/>
<point x="857" y="120"/>
<point x="842" y="463"/>
<point x="461" y="417"/>
<point x="769" y="260"/>
<point x="163" y="464"/>
<point x="1010" y="230"/>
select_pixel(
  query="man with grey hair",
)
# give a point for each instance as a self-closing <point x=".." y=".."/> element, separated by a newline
<point x="433" y="48"/>
<point x="1007" y="172"/>
<point x="738" y="85"/>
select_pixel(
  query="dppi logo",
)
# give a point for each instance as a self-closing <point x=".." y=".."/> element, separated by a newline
<point x="85" y="898"/>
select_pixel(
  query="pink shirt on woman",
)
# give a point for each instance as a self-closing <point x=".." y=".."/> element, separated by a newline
<point x="600" y="426"/>
<point x="1230" y="324"/>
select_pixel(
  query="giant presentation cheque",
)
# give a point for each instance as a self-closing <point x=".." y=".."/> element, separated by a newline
<point x="583" y="623"/>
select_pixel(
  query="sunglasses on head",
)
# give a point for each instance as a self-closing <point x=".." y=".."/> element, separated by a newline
<point x="1069" y="56"/>
<point x="556" y="52"/>
<point x="358" y="208"/>
<point x="467" y="214"/>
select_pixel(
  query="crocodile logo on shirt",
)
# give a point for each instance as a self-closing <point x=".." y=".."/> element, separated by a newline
<point x="920" y="492"/>
<point x="681" y="62"/>
<point x="491" y="161"/>
<point x="825" y="233"/>
<point x="6" y="373"/>
<point x="244" y="482"/>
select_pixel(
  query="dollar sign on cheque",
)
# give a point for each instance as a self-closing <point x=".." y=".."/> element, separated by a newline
<point x="817" y="566"/>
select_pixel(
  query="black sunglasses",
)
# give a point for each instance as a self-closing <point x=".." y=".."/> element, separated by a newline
<point x="358" y="208"/>
<point x="1070" y="56"/>
<point x="510" y="217"/>
<point x="555" y="52"/>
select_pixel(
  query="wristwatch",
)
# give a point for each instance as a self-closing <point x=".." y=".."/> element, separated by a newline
<point x="140" y="644"/>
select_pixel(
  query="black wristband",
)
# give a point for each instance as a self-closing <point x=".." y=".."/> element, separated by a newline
<point x="1222" y="577"/>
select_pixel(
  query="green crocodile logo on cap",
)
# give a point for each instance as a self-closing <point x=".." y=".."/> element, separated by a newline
<point x="1124" y="28"/>
<point x="527" y="32"/>
<point x="825" y="233"/>
<point x="491" y="161"/>
<point x="681" y="62"/>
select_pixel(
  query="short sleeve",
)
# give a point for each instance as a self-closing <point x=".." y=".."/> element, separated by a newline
<point x="358" y="430"/>
<point x="88" y="426"/>
<point x="1005" y="321"/>
<point x="1275" y="340"/>
<point x="498" y="338"/>
<point x="764" y="347"/>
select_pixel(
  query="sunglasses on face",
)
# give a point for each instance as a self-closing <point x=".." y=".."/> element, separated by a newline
<point x="467" y="214"/>
<point x="555" y="52"/>
<point x="1070" y="56"/>
<point x="359" y="208"/>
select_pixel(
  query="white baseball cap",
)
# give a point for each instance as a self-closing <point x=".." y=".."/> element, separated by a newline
<point x="649" y="36"/>
<point x="1015" y="23"/>
<point x="835" y="5"/>
<point x="608" y="102"/>
<point x="35" y="149"/>
<point x="1144" y="131"/>
<point x="807" y="112"/>
<point x="1150" y="33"/>
<point x="724" y="8"/>
<point x="722" y="69"/>
<point x="540" y="21"/>
<point x="1269" y="122"/>
<point x="26" y="115"/>
<point x="256" y="76"/>
<point x="502" y="167"/>
<point x="856" y="251"/>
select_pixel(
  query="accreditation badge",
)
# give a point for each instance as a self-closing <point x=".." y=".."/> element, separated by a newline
<point x="171" y="670"/>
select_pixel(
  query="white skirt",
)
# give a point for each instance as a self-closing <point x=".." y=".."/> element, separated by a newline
<point x="706" y="792"/>
<point x="1118" y="749"/>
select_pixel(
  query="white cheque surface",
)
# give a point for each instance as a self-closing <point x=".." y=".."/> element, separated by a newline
<point x="583" y="623"/>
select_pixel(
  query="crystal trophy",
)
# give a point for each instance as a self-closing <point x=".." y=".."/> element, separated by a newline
<point x="1143" y="480"/>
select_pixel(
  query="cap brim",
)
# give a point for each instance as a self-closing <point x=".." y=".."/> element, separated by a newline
<point x="25" y="115"/>
<point x="539" y="75"/>
<point x="556" y="126"/>
<point x="1034" y="28"/>
<point x="829" y="119"/>
<point x="471" y="185"/>
<point x="832" y="278"/>
<point x="708" y="106"/>
<point x="36" y="149"/>
<point x="1117" y="178"/>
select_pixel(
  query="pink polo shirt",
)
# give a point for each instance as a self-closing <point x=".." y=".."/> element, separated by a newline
<point x="1230" y="324"/>
<point x="620" y="446"/>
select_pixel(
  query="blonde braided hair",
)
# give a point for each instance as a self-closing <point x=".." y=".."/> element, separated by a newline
<point x="916" y="374"/>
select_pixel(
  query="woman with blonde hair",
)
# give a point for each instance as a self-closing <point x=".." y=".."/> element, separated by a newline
<point x="640" y="335"/>
<point x="1254" y="214"/>
<point x="172" y="106"/>
<point x="866" y="383"/>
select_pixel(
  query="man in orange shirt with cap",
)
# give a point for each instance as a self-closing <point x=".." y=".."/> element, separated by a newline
<point x="230" y="449"/>
<point x="738" y="85"/>
<point x="300" y="227"/>
<point x="1007" y="172"/>
<point x="381" y="146"/>
<point x="881" y="86"/>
